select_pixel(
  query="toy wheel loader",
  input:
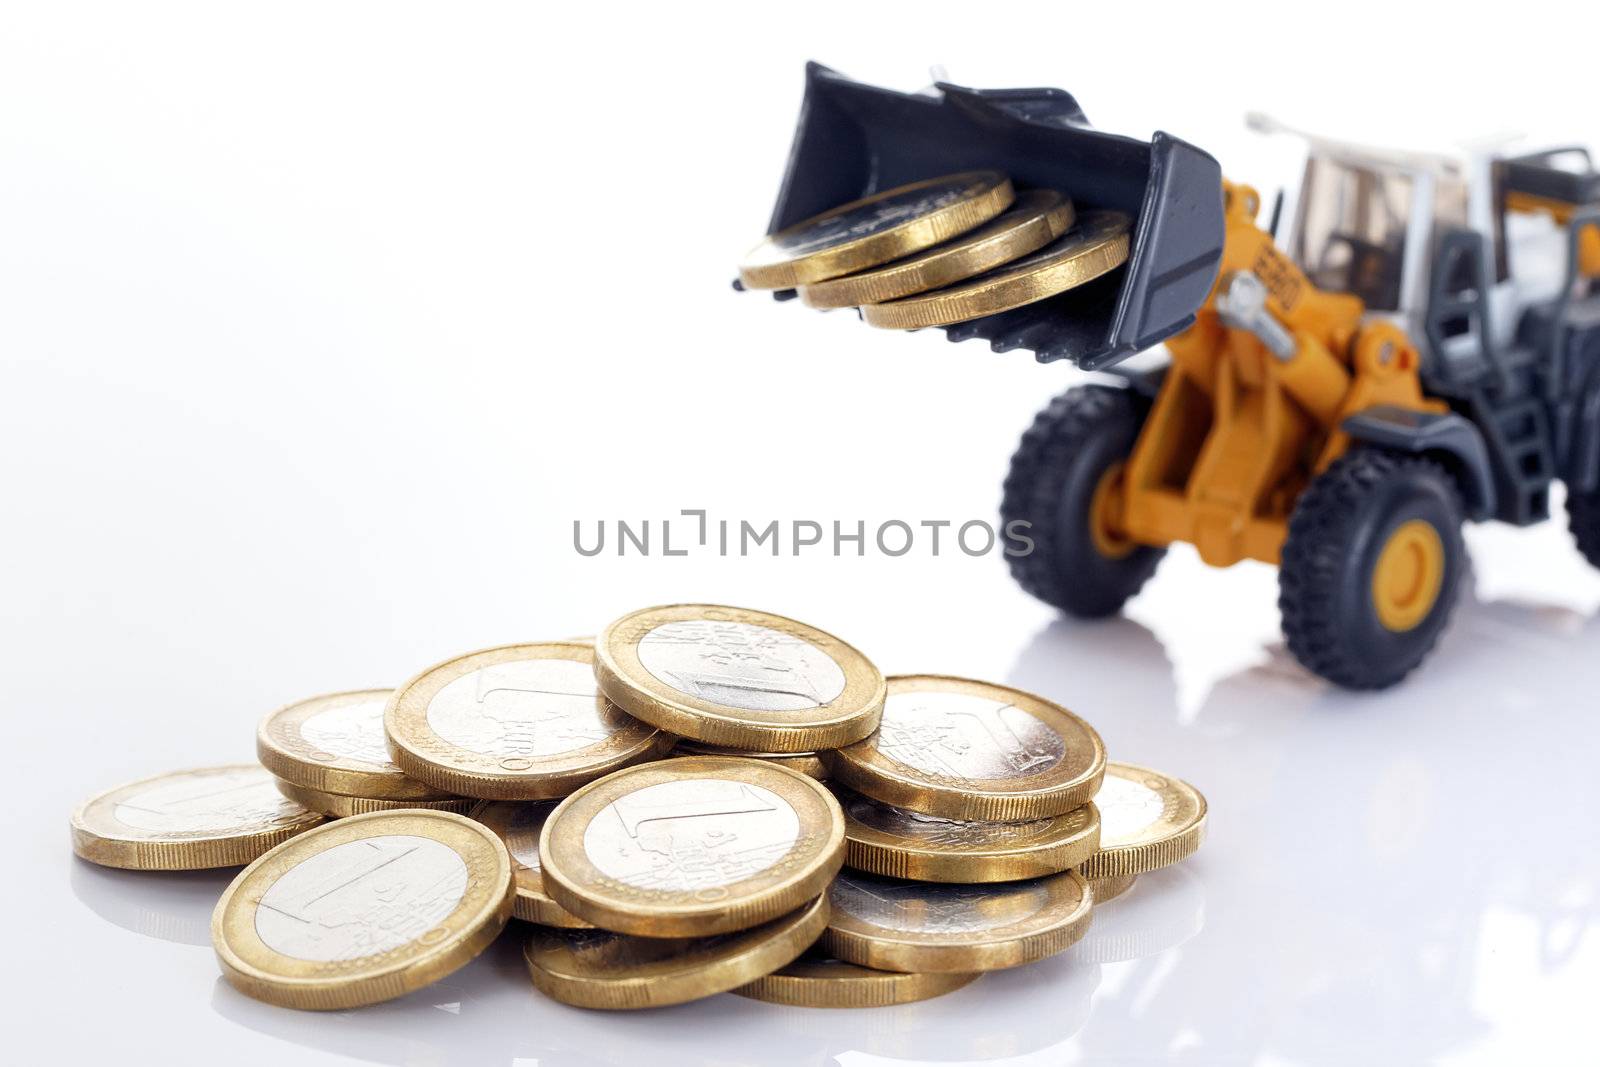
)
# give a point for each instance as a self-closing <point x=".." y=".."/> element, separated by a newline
<point x="1412" y="342"/>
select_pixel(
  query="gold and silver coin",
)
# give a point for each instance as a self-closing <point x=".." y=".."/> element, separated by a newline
<point x="601" y="969"/>
<point x="926" y="927"/>
<point x="809" y="764"/>
<point x="1033" y="220"/>
<point x="817" y="980"/>
<point x="739" y="678"/>
<point x="519" y="722"/>
<point x="692" y="847"/>
<point x="339" y="806"/>
<point x="363" y="910"/>
<point x="1148" y="820"/>
<point x="1096" y="245"/>
<point x="188" y="820"/>
<point x="968" y="750"/>
<point x="883" y="839"/>
<point x="518" y="823"/>
<point x="876" y="229"/>
<point x="336" y="744"/>
<point x="1110" y="888"/>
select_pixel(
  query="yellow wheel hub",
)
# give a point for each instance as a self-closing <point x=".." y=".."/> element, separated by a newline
<point x="1409" y="575"/>
<point x="1105" y="507"/>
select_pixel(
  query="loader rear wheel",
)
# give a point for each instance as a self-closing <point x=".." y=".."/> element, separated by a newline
<point x="1064" y="481"/>
<point x="1371" y="567"/>
<point x="1583" y="518"/>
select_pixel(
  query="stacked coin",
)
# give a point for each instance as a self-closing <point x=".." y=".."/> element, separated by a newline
<point x="940" y="251"/>
<point x="979" y="824"/>
<point x="970" y="832"/>
<point x="329" y="754"/>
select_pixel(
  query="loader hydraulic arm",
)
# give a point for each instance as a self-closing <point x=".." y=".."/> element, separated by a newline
<point x="1253" y="405"/>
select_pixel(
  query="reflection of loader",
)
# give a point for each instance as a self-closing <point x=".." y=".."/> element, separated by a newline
<point x="1419" y="345"/>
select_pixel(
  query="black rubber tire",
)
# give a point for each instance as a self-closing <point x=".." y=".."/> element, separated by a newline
<point x="1583" y="518"/>
<point x="1339" y="527"/>
<point x="1051" y="484"/>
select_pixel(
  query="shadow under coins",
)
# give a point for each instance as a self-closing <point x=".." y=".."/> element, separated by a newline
<point x="1381" y="857"/>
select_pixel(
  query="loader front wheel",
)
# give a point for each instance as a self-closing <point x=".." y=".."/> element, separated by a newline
<point x="1063" y="484"/>
<point x="1371" y="567"/>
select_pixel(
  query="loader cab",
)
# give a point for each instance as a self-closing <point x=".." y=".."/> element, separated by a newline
<point x="1422" y="239"/>
<point x="1367" y="221"/>
<point x="1352" y="228"/>
<point x="1490" y="262"/>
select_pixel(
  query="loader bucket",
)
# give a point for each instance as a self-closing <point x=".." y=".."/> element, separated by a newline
<point x="855" y="139"/>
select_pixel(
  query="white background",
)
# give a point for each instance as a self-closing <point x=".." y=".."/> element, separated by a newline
<point x="322" y="323"/>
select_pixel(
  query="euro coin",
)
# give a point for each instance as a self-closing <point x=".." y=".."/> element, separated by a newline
<point x="925" y="927"/>
<point x="335" y="744"/>
<point x="188" y="820"/>
<point x="739" y="678"/>
<point x="809" y="764"/>
<point x="518" y="823"/>
<point x="816" y="980"/>
<point x="969" y="750"/>
<point x="1096" y="245"/>
<point x="692" y="847"/>
<point x="363" y="910"/>
<point x="1111" y="888"/>
<point x="602" y="969"/>
<point x="1148" y="820"/>
<point x="519" y="722"/>
<point x="883" y="839"/>
<point x="1033" y="220"/>
<point x="338" y="806"/>
<point x="876" y="229"/>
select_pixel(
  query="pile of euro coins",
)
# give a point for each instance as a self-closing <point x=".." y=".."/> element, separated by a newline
<point x="940" y="251"/>
<point x="702" y="799"/>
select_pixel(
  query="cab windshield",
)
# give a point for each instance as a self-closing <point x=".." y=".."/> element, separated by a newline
<point x="1351" y="230"/>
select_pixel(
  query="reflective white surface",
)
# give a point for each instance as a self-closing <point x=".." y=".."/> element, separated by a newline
<point x="306" y="381"/>
<point x="1414" y="871"/>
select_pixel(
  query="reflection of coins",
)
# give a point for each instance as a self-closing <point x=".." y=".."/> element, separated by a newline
<point x="1168" y="910"/>
<point x="883" y="839"/>
<point x="1095" y="246"/>
<point x="600" y="969"/>
<point x="339" y="806"/>
<point x="519" y="722"/>
<point x="875" y="229"/>
<point x="1105" y="889"/>
<point x="690" y="847"/>
<point x="186" y="820"/>
<point x="816" y="980"/>
<point x="1034" y="219"/>
<point x="518" y="824"/>
<point x="1148" y="820"/>
<point x="807" y="763"/>
<point x="739" y="678"/>
<point x="975" y="751"/>
<point x="171" y="906"/>
<point x="365" y="909"/>
<point x="335" y="744"/>
<point x="953" y="929"/>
